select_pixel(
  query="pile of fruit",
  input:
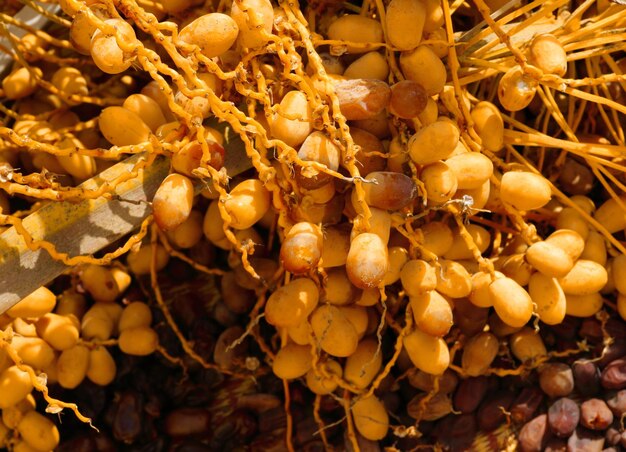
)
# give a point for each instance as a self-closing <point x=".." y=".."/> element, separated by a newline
<point x="426" y="249"/>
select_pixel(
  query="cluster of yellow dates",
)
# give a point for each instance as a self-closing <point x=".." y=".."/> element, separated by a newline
<point x="50" y="339"/>
<point x="363" y="214"/>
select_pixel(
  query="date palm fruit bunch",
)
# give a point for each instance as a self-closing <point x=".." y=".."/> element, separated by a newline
<point x="429" y="237"/>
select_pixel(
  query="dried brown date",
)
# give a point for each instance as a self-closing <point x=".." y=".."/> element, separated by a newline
<point x="408" y="99"/>
<point x="611" y="352"/>
<point x="591" y="329"/>
<point x="568" y="329"/>
<point x="556" y="379"/>
<point x="153" y="406"/>
<point x="563" y="417"/>
<point x="617" y="402"/>
<point x="534" y="435"/>
<point x="614" y="375"/>
<point x="233" y="430"/>
<point x="368" y="155"/>
<point x="127" y="421"/>
<point x="236" y="298"/>
<point x="223" y="355"/>
<point x="470" y="393"/>
<point x="362" y="98"/>
<point x="389" y="190"/>
<point x="103" y="442"/>
<point x="595" y="414"/>
<point x="576" y="179"/>
<point x="187" y="422"/>
<point x="470" y="318"/>
<point x="525" y="404"/>
<point x="586" y="378"/>
<point x="491" y="412"/>
<point x="434" y="408"/>
<point x="258" y="403"/>
<point x="556" y="445"/>
<point x="583" y="440"/>
<point x="265" y="268"/>
<point x="426" y="382"/>
<point x="612" y="436"/>
<point x="615" y="328"/>
<point x="456" y="432"/>
<point x="83" y="443"/>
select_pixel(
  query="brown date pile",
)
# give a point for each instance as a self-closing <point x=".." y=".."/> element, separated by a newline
<point x="426" y="251"/>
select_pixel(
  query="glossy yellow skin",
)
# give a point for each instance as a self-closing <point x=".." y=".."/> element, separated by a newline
<point x="428" y="353"/>
<point x="292" y="361"/>
<point x="370" y="418"/>
<point x="38" y="303"/>
<point x="39" y="431"/>
<point x="138" y="341"/>
<point x="511" y="302"/>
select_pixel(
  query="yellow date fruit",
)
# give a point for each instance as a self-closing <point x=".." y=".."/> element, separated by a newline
<point x="39" y="431"/>
<point x="247" y="203"/>
<point x="334" y="332"/>
<point x="356" y="29"/>
<point x="292" y="361"/>
<point x="60" y="331"/>
<point x="370" y="418"/>
<point x="585" y="277"/>
<point x="367" y="261"/>
<point x="214" y="33"/>
<point x="418" y="276"/>
<point x="433" y="142"/>
<point x="254" y="19"/>
<point x="428" y="353"/>
<point x="549" y="259"/>
<point x="525" y="190"/>
<point x="548" y="296"/>
<point x="405" y="23"/>
<point x="173" y="201"/>
<point x="135" y="314"/>
<point x="138" y="341"/>
<point x="102" y="367"/>
<point x="511" y="301"/>
<point x="527" y="344"/>
<point x="100" y="283"/>
<point x="364" y="364"/>
<point x="38" y="303"/>
<point x="583" y="305"/>
<point x="302" y="248"/>
<point x="432" y="313"/>
<point x="479" y="352"/>
<point x="72" y="366"/>
<point x="15" y="384"/>
<point x="122" y="127"/>
<point x="292" y="303"/>
<point x="321" y="385"/>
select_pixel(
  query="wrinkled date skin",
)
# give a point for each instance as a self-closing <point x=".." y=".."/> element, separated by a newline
<point x="526" y="403"/>
<point x="362" y="98"/>
<point x="491" y="413"/>
<point x="614" y="375"/>
<point x="586" y="378"/>
<point x="535" y="434"/>
<point x="470" y="393"/>
<point x="595" y="414"/>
